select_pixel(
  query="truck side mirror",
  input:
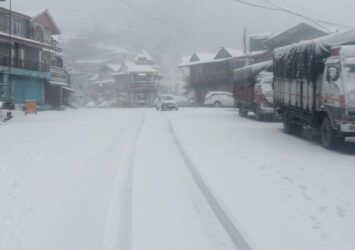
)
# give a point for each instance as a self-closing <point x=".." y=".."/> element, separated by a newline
<point x="332" y="74"/>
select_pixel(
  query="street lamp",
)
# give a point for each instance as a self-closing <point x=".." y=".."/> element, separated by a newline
<point x="10" y="47"/>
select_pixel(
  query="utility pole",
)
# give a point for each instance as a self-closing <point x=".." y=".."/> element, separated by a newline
<point x="245" y="41"/>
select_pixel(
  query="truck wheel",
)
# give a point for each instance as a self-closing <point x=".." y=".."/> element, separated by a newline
<point x="287" y="123"/>
<point x="327" y="134"/>
<point x="243" y="112"/>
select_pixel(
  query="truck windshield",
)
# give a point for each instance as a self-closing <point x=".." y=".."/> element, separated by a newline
<point x="349" y="74"/>
<point x="266" y="87"/>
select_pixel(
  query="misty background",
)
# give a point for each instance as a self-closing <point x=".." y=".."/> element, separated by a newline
<point x="185" y="26"/>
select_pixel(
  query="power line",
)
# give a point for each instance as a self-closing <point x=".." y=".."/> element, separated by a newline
<point x="162" y="21"/>
<point x="296" y="14"/>
<point x="274" y="7"/>
<point x="303" y="16"/>
<point x="256" y="5"/>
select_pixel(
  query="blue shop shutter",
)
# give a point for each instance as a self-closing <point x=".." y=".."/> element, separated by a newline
<point x="29" y="89"/>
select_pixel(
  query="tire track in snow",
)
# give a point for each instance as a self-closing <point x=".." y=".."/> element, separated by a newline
<point x="227" y="221"/>
<point x="119" y="228"/>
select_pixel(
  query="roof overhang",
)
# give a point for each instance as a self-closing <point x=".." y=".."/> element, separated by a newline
<point x="54" y="27"/>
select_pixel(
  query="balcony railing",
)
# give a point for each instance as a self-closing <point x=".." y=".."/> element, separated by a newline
<point x="60" y="75"/>
<point x="24" y="64"/>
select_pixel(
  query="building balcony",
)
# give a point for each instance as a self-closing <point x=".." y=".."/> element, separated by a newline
<point x="143" y="85"/>
<point x="23" y="64"/>
<point x="59" y="76"/>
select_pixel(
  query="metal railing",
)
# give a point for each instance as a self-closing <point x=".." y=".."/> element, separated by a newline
<point x="23" y="64"/>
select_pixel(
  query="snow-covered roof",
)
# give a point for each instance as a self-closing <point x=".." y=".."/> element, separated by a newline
<point x="114" y="67"/>
<point x="251" y="70"/>
<point x="202" y="57"/>
<point x="143" y="55"/>
<point x="32" y="13"/>
<point x="185" y="59"/>
<point x="234" y="52"/>
<point x="35" y="15"/>
<point x="302" y="31"/>
<point x="325" y="42"/>
<point x="257" y="52"/>
<point x="261" y="35"/>
<point x="129" y="67"/>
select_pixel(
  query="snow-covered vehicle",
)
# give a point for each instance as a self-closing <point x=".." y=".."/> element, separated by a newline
<point x="166" y="102"/>
<point x="219" y="99"/>
<point x="253" y="90"/>
<point x="184" y="101"/>
<point x="314" y="86"/>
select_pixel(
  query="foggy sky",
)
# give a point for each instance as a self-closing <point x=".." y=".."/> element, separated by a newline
<point x="213" y="22"/>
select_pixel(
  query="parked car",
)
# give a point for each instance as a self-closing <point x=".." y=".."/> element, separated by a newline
<point x="184" y="101"/>
<point x="219" y="99"/>
<point x="166" y="102"/>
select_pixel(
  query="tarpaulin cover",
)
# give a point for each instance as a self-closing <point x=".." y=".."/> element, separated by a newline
<point x="305" y="60"/>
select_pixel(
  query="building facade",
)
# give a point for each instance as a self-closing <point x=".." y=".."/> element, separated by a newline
<point x="31" y="64"/>
<point x="212" y="72"/>
<point x="137" y="81"/>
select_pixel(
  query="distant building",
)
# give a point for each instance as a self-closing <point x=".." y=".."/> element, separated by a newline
<point x="137" y="81"/>
<point x="102" y="87"/>
<point x="212" y="72"/>
<point x="262" y="46"/>
<point x="300" y="32"/>
<point x="35" y="70"/>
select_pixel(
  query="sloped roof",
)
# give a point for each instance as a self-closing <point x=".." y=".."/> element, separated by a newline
<point x="114" y="67"/>
<point x="235" y="52"/>
<point x="53" y="26"/>
<point x="185" y="59"/>
<point x="130" y="67"/>
<point x="296" y="34"/>
<point x="251" y="70"/>
<point x="202" y="57"/>
<point x="143" y="55"/>
<point x="225" y="52"/>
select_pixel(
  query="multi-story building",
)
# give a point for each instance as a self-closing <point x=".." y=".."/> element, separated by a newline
<point x="137" y="81"/>
<point x="31" y="63"/>
<point x="212" y="72"/>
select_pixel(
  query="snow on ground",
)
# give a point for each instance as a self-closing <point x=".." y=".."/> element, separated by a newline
<point x="285" y="192"/>
<point x="114" y="179"/>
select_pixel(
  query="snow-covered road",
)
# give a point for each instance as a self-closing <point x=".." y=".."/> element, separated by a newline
<point x="122" y="179"/>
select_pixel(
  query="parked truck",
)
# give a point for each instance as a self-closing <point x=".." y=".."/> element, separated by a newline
<point x="253" y="90"/>
<point x="314" y="86"/>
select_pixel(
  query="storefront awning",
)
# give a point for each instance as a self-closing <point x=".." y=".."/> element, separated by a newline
<point x="63" y="84"/>
<point x="68" y="89"/>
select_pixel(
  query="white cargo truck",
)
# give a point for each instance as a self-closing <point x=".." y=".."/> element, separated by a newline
<point x="314" y="86"/>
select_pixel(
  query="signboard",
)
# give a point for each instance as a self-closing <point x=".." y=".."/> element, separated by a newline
<point x="30" y="107"/>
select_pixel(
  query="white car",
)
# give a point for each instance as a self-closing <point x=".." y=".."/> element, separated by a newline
<point x="166" y="102"/>
<point x="219" y="99"/>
